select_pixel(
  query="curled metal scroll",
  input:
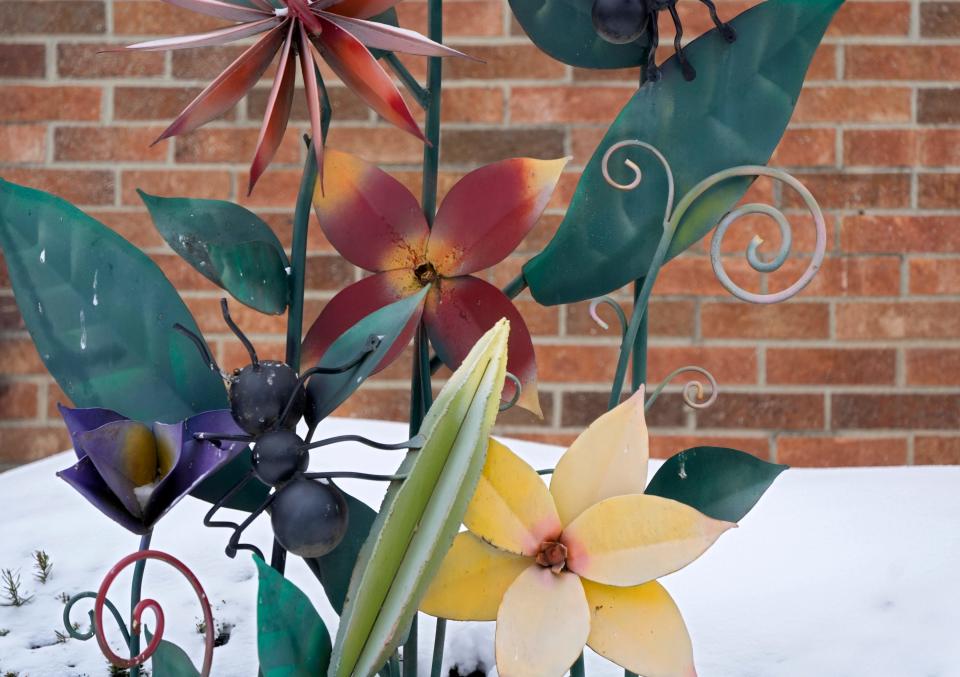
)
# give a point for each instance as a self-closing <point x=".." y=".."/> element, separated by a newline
<point x="693" y="390"/>
<point x="637" y="173"/>
<point x="517" y="388"/>
<point x="607" y="301"/>
<point x="101" y="601"/>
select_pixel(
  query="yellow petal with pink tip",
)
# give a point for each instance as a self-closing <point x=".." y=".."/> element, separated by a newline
<point x="472" y="580"/>
<point x="608" y="459"/>
<point x="640" y="629"/>
<point x="511" y="508"/>
<point x="542" y="625"/>
<point x="629" y="540"/>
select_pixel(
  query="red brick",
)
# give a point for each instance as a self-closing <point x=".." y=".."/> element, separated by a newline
<point x="581" y="408"/>
<point x="231" y="145"/>
<point x="856" y="191"/>
<point x="566" y="104"/>
<point x="936" y="450"/>
<point x="154" y="103"/>
<point x="842" y="276"/>
<point x="939" y="147"/>
<point x="107" y="144"/>
<point x="472" y="104"/>
<point x="934" y="276"/>
<point x="841" y="451"/>
<point x="880" y="147"/>
<point x="806" y="148"/>
<point x="389" y="405"/>
<point x="328" y="272"/>
<point x="854" y="104"/>
<point x="667" y="318"/>
<point x="939" y="191"/>
<point x="902" y="62"/>
<point x="665" y="446"/>
<point x="145" y="17"/>
<point x="787" y="321"/>
<point x="18" y="399"/>
<point x="776" y="411"/>
<point x="90" y="60"/>
<point x="23" y="444"/>
<point x="467" y="18"/>
<point x="871" y="18"/>
<point x="79" y="186"/>
<point x="208" y="184"/>
<point x="901" y="320"/>
<point x="898" y="234"/>
<point x="23" y="143"/>
<point x="345" y="104"/>
<point x="23" y="61"/>
<point x="21" y="357"/>
<point x="938" y="106"/>
<point x="19" y="17"/>
<point x="22" y="103"/>
<point x="134" y="226"/>
<point x="504" y="62"/>
<point x="730" y="366"/>
<point x="475" y="146"/>
<point x="575" y="364"/>
<point x="895" y="411"/>
<point x="939" y="19"/>
<point x="380" y="144"/>
<point x="834" y="366"/>
<point x="933" y="366"/>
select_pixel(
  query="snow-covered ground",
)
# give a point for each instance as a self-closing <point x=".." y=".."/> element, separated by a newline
<point x="836" y="573"/>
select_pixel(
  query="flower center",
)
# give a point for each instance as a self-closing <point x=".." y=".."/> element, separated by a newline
<point x="426" y="274"/>
<point x="553" y="556"/>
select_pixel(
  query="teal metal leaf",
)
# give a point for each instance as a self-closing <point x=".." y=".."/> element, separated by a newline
<point x="101" y="313"/>
<point x="721" y="483"/>
<point x="564" y="30"/>
<point x="335" y="568"/>
<point x="421" y="515"/>
<point x="733" y="113"/>
<point x="329" y="391"/>
<point x="292" y="640"/>
<point x="169" y="660"/>
<point x="227" y="244"/>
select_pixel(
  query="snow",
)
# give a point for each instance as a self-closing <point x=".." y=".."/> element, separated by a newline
<point x="836" y="573"/>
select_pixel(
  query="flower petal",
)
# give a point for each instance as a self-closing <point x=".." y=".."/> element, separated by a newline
<point x="488" y="212"/>
<point x="629" y="540"/>
<point x="354" y="303"/>
<point x="542" y="624"/>
<point x="125" y="455"/>
<point x="308" y="69"/>
<point x="81" y="420"/>
<point x="640" y="629"/>
<point x="511" y="508"/>
<point x="193" y="460"/>
<point x="460" y="310"/>
<point x="221" y="94"/>
<point x="277" y="113"/>
<point x="221" y="10"/>
<point x="472" y="580"/>
<point x="87" y="481"/>
<point x="608" y="459"/>
<point x="391" y="38"/>
<point x="220" y="36"/>
<point x="359" y="70"/>
<point x="369" y="216"/>
<point x="362" y="9"/>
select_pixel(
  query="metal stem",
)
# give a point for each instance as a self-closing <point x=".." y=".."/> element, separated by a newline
<point x="578" y="669"/>
<point x="438" y="640"/>
<point x="409" y="81"/>
<point x="298" y="258"/>
<point x="515" y="286"/>
<point x="136" y="592"/>
<point x="638" y="375"/>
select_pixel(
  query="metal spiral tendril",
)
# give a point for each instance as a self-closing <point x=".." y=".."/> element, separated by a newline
<point x="693" y="390"/>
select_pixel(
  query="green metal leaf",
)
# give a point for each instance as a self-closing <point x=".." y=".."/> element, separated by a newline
<point x="329" y="391"/>
<point x="733" y="113"/>
<point x="721" y="483"/>
<point x="421" y="515"/>
<point x="292" y="640"/>
<point x="169" y="660"/>
<point x="564" y="30"/>
<point x="227" y="244"/>
<point x="335" y="568"/>
<point x="101" y="313"/>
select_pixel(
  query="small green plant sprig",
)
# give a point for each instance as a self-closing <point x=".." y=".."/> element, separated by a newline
<point x="43" y="566"/>
<point x="10" y="589"/>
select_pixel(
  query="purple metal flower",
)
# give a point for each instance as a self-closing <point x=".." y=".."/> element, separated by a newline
<point x="134" y="473"/>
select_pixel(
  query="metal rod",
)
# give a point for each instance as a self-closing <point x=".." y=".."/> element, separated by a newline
<point x="136" y="592"/>
<point x="638" y="374"/>
<point x="417" y="90"/>
<point x="515" y="286"/>
<point x="438" y="639"/>
<point x="298" y="258"/>
<point x="578" y="669"/>
<point x="414" y="442"/>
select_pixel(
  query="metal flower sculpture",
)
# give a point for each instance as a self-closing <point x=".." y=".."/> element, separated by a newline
<point x="134" y="473"/>
<point x="338" y="32"/>
<point x="377" y="224"/>
<point x="576" y="564"/>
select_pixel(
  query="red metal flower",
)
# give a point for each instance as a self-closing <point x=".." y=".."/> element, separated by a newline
<point x="377" y="224"/>
<point x="336" y="31"/>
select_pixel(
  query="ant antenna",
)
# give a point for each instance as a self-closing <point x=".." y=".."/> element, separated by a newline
<point x="238" y="333"/>
<point x="201" y="346"/>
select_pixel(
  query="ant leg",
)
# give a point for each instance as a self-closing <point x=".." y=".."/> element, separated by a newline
<point x="201" y="346"/>
<point x="234" y="543"/>
<point x="415" y="442"/>
<point x="239" y="334"/>
<point x="652" y="70"/>
<point x="216" y="439"/>
<point x="347" y="474"/>
<point x="209" y="522"/>
<point x="726" y="30"/>
<point x="688" y="71"/>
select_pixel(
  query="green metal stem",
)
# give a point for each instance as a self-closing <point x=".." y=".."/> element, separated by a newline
<point x="298" y="258"/>
<point x="409" y="81"/>
<point x="438" y="640"/>
<point x="638" y="374"/>
<point x="136" y="593"/>
<point x="578" y="669"/>
<point x="515" y="287"/>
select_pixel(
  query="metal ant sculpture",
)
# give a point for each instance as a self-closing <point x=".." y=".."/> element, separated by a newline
<point x="267" y="399"/>
<point x="623" y="21"/>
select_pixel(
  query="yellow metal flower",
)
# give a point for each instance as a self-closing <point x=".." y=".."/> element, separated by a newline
<point x="576" y="564"/>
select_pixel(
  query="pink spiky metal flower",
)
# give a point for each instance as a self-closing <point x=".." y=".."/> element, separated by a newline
<point x="336" y="31"/>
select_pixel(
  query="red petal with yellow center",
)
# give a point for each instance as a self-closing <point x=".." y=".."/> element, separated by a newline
<point x="369" y="216"/>
<point x="488" y="212"/>
<point x="362" y="9"/>
<point x="352" y="305"/>
<point x="221" y="94"/>
<point x="359" y="70"/>
<point x="460" y="310"/>
<point x="277" y="114"/>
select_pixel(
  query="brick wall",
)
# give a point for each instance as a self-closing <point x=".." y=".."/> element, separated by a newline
<point x="862" y="368"/>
